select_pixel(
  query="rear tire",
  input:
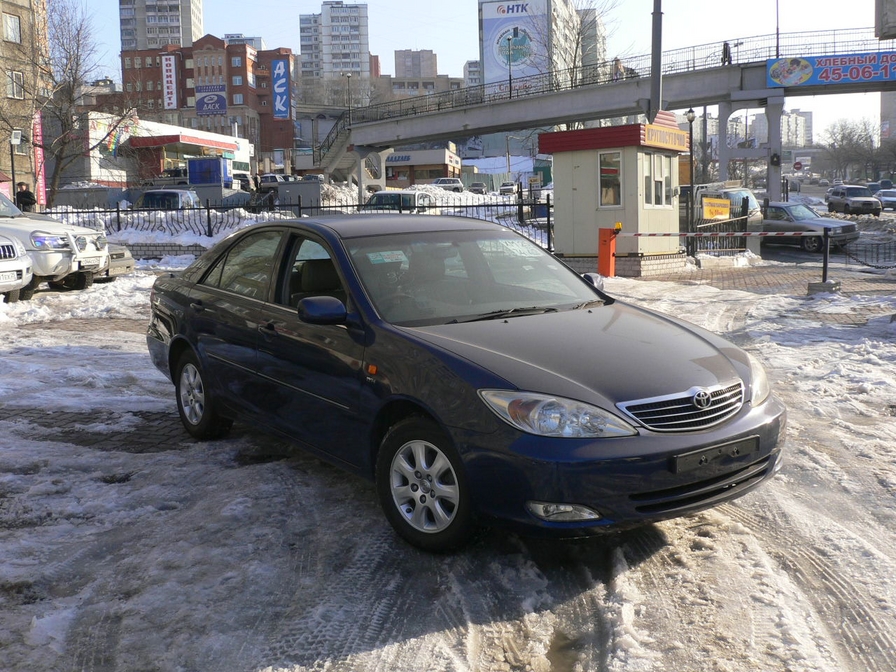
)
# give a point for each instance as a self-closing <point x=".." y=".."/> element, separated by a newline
<point x="812" y="243"/>
<point x="196" y="402"/>
<point x="846" y="209"/>
<point x="422" y="487"/>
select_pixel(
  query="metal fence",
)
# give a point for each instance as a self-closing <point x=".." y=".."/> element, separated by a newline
<point x="880" y="255"/>
<point x="529" y="217"/>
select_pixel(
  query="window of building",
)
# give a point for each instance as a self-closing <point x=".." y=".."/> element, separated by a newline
<point x="138" y="62"/>
<point x="150" y="104"/>
<point x="12" y="28"/>
<point x="657" y="180"/>
<point x="610" y="179"/>
<point x="236" y="61"/>
<point x="238" y="99"/>
<point x="15" y="85"/>
<point x="139" y="86"/>
<point x="129" y="87"/>
<point x="127" y="63"/>
<point x="236" y="80"/>
<point x="149" y="86"/>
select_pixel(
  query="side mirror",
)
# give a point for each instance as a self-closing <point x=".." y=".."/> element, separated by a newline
<point x="594" y="279"/>
<point x="322" y="310"/>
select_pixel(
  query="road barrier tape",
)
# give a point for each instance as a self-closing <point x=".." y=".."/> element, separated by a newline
<point x="723" y="234"/>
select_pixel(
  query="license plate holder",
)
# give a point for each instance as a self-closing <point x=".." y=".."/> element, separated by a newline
<point x="9" y="276"/>
<point x="91" y="264"/>
<point x="698" y="459"/>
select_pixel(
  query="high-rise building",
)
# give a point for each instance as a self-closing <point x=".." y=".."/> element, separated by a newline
<point x="472" y="73"/>
<point x="415" y="64"/>
<point x="145" y="24"/>
<point x="335" y="43"/>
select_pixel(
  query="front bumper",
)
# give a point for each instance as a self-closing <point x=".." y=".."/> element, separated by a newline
<point x="628" y="481"/>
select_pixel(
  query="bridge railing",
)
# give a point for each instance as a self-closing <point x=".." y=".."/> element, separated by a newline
<point x="699" y="57"/>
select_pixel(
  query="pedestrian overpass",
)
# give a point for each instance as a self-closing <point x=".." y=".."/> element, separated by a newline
<point x="692" y="77"/>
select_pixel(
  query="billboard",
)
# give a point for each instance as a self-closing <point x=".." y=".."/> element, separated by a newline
<point x="169" y="82"/>
<point x="840" y="69"/>
<point x="514" y="40"/>
<point x="211" y="100"/>
<point x="280" y="84"/>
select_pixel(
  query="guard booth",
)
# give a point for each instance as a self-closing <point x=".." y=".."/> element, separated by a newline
<point x="626" y="174"/>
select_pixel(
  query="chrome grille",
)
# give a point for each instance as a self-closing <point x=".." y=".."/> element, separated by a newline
<point x="8" y="252"/>
<point x="848" y="228"/>
<point x="680" y="413"/>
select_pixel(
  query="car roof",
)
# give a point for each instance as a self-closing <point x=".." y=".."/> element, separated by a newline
<point x="355" y="226"/>
<point x="170" y="191"/>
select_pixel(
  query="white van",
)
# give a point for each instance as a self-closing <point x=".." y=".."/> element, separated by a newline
<point x="405" y="200"/>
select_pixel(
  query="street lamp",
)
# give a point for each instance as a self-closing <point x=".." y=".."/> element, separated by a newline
<point x="510" y="39"/>
<point x="691" y="115"/>
<point x="348" y="76"/>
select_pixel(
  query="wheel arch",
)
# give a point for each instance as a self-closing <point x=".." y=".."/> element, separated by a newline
<point x="178" y="347"/>
<point x="390" y="415"/>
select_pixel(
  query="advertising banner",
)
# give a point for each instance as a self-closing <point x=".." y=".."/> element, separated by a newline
<point x="842" y="69"/>
<point x="211" y="100"/>
<point x="514" y="40"/>
<point x="169" y="82"/>
<point x="280" y="83"/>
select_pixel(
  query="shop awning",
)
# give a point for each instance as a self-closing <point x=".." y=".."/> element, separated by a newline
<point x="4" y="177"/>
<point x="147" y="141"/>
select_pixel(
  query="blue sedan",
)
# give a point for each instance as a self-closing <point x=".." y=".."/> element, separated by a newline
<point x="469" y="373"/>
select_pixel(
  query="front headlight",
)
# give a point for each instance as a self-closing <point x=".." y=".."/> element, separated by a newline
<point x="836" y="230"/>
<point x="42" y="240"/>
<point x="759" y="382"/>
<point x="545" y="415"/>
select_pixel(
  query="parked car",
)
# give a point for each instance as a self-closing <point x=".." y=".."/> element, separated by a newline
<point x="314" y="177"/>
<point x="121" y="262"/>
<point x="404" y="200"/>
<point x="886" y="184"/>
<point x="853" y="199"/>
<point x="824" y="183"/>
<point x="797" y="217"/>
<point x="15" y="268"/>
<point x="887" y="198"/>
<point x="168" y="199"/>
<point x="507" y="188"/>
<point x="243" y="181"/>
<point x="449" y="183"/>
<point x="478" y="188"/>
<point x="827" y="194"/>
<point x="424" y="353"/>
<point x="57" y="250"/>
<point x="873" y="187"/>
<point x="270" y="181"/>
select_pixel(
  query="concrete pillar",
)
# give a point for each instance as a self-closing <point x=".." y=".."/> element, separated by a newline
<point x="773" y="112"/>
<point x="363" y="179"/>
<point x="724" y="149"/>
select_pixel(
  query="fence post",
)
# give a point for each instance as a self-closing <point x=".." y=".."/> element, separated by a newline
<point x="827" y="254"/>
<point x="548" y="216"/>
<point x="208" y="217"/>
<point x="520" y="218"/>
<point x="300" y="206"/>
<point x="118" y="217"/>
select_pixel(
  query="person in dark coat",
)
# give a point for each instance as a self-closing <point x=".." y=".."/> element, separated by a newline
<point x="24" y="198"/>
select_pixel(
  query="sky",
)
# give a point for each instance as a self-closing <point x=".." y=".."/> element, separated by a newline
<point x="450" y="29"/>
<point x="244" y="555"/>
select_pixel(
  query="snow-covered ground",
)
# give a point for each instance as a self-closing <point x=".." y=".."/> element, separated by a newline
<point x="244" y="554"/>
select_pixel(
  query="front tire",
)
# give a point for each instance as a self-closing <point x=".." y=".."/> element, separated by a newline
<point x="812" y="243"/>
<point x="422" y="487"/>
<point x="26" y="293"/>
<point x="195" y="401"/>
<point x="11" y="296"/>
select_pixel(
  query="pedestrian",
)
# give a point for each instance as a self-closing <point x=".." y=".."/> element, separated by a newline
<point x="618" y="70"/>
<point x="726" y="53"/>
<point x="24" y="198"/>
<point x="256" y="180"/>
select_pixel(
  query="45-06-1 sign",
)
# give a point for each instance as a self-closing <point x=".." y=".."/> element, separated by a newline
<point x="821" y="70"/>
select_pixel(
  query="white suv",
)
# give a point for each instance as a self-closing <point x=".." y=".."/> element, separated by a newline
<point x="15" y="268"/>
<point x="59" y="252"/>
<point x="449" y="183"/>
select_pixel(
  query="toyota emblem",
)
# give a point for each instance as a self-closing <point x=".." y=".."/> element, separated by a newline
<point x="702" y="399"/>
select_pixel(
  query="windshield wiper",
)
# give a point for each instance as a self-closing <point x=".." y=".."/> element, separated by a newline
<point x="511" y="312"/>
<point x="588" y="304"/>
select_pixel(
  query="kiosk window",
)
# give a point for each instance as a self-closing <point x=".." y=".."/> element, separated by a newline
<point x="657" y="179"/>
<point x="610" y="175"/>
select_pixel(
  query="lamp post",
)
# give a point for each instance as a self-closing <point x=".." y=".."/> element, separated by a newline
<point x="15" y="139"/>
<point x="509" y="68"/>
<point x="348" y="77"/>
<point x="691" y="115"/>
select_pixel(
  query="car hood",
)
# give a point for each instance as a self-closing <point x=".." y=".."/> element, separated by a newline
<point x="29" y="223"/>
<point x="823" y="222"/>
<point x="603" y="355"/>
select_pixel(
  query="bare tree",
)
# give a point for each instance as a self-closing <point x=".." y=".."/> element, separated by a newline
<point x="851" y="146"/>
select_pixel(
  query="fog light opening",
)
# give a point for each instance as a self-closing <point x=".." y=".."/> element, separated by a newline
<point x="553" y="512"/>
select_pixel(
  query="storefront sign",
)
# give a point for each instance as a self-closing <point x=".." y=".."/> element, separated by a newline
<point x="665" y="138"/>
<point x="211" y="100"/>
<point x="169" y="82"/>
<point x="280" y="82"/>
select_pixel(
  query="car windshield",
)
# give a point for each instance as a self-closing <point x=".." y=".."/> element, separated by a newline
<point x="8" y="208"/>
<point x="160" y="201"/>
<point x="736" y="197"/>
<point x="392" y="201"/>
<point x="857" y="191"/>
<point x="426" y="278"/>
<point x="801" y="211"/>
<point x="887" y="193"/>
